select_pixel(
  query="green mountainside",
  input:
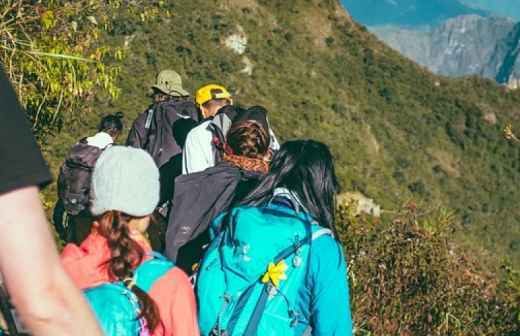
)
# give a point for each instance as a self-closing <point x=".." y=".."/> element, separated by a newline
<point x="397" y="131"/>
<point x="443" y="257"/>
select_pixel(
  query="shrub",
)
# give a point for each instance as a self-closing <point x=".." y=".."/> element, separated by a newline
<point x="408" y="278"/>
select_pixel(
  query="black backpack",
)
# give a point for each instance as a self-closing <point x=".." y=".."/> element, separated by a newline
<point x="164" y="127"/>
<point x="75" y="177"/>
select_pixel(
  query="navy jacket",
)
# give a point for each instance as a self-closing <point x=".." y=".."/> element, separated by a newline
<point x="198" y="199"/>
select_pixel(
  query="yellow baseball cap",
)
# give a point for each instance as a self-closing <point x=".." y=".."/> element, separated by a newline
<point x="210" y="92"/>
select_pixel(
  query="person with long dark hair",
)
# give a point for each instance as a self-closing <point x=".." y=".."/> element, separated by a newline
<point x="131" y="289"/>
<point x="276" y="268"/>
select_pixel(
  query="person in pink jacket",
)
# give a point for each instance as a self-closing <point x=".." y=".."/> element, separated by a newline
<point x="125" y="191"/>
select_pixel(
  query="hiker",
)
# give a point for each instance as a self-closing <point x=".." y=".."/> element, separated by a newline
<point x="131" y="289"/>
<point x="201" y="150"/>
<point x="162" y="128"/>
<point x="41" y="291"/>
<point x="74" y="179"/>
<point x="201" y="196"/>
<point x="276" y="268"/>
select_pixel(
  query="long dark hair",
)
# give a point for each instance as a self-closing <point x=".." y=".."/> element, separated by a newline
<point x="306" y="168"/>
<point x="127" y="254"/>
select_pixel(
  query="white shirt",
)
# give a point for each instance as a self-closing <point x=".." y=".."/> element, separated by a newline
<point x="199" y="152"/>
<point x="100" y="140"/>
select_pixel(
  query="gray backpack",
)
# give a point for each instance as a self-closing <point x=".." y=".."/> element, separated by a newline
<point x="75" y="176"/>
<point x="161" y="129"/>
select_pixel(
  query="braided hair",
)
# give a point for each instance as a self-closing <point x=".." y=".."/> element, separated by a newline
<point x="127" y="254"/>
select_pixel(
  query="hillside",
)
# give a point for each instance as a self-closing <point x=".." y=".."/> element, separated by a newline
<point x="397" y="131"/>
<point x="428" y="149"/>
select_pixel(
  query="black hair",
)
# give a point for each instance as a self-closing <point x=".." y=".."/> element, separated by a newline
<point x="111" y="124"/>
<point x="306" y="168"/>
<point x="256" y="113"/>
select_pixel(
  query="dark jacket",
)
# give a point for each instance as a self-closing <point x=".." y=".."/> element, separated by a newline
<point x="198" y="199"/>
<point x="162" y="129"/>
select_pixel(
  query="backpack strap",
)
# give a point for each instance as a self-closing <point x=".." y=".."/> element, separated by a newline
<point x="256" y="316"/>
<point x="219" y="141"/>
<point x="152" y="270"/>
<point x="148" y="124"/>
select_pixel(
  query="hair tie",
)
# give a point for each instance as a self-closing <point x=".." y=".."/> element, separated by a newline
<point x="129" y="283"/>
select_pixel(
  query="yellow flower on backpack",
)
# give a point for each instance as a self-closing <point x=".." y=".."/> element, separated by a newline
<point x="275" y="273"/>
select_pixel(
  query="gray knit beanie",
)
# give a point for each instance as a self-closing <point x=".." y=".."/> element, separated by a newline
<point x="125" y="179"/>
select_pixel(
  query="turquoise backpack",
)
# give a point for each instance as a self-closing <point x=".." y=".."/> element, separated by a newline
<point x="236" y="294"/>
<point x="116" y="307"/>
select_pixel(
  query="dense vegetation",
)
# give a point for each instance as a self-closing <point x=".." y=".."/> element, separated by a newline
<point x="397" y="132"/>
<point x="408" y="279"/>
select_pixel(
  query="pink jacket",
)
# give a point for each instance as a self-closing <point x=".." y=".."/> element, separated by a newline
<point x="172" y="293"/>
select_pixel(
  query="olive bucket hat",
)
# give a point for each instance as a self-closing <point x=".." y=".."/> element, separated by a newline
<point x="170" y="82"/>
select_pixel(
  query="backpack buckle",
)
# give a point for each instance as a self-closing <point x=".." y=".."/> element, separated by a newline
<point x="218" y="332"/>
<point x="293" y="315"/>
<point x="297" y="259"/>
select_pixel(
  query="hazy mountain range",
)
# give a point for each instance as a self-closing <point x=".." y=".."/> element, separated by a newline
<point x="452" y="38"/>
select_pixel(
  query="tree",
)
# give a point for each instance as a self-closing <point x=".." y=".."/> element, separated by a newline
<point x="55" y="55"/>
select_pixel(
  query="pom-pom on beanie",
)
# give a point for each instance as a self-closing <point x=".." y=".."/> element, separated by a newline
<point x="125" y="179"/>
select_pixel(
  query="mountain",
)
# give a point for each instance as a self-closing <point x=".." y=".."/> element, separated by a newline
<point x="407" y="13"/>
<point x="442" y="36"/>
<point x="505" y="63"/>
<point x="505" y="8"/>
<point x="397" y="131"/>
<point x="459" y="46"/>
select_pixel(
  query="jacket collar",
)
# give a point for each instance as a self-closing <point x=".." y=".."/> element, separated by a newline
<point x="291" y="197"/>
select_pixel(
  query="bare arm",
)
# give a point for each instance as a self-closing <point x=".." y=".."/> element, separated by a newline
<point x="41" y="291"/>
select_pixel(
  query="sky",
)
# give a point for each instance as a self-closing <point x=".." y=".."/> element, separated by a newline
<point x="375" y="12"/>
<point x="510" y="8"/>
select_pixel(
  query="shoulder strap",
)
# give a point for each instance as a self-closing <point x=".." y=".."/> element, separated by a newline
<point x="152" y="270"/>
<point x="256" y="316"/>
<point x="150" y="114"/>
<point x="218" y="141"/>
